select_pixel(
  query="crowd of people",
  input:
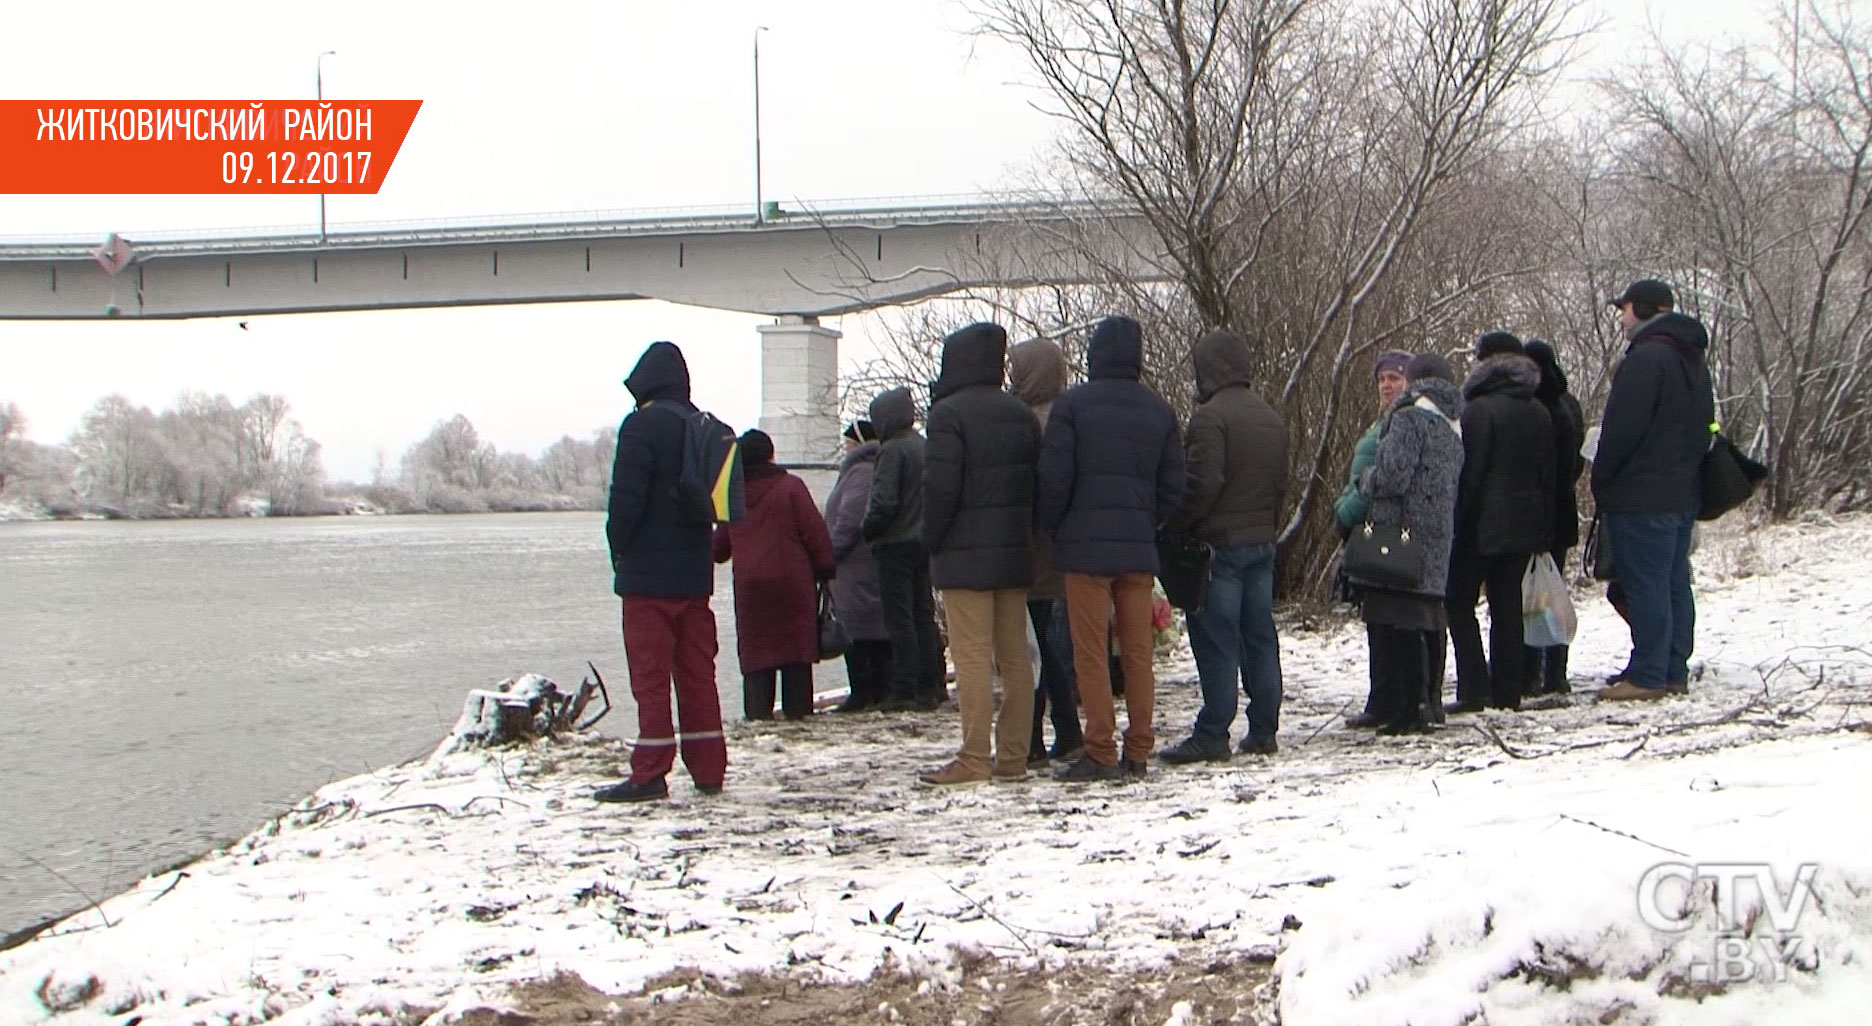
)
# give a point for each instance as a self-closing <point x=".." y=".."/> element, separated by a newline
<point x="1038" y="510"/>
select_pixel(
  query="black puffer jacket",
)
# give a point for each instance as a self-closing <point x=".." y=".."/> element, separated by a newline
<point x="979" y="469"/>
<point x="1236" y="451"/>
<point x="656" y="552"/>
<point x="895" y="512"/>
<point x="1657" y="421"/>
<point x="1569" y="430"/>
<point x="1111" y="464"/>
<point x="1505" y="503"/>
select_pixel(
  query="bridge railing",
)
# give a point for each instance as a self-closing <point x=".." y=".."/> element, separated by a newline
<point x="879" y="211"/>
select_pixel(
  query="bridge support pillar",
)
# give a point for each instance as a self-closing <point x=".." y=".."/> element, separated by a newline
<point x="799" y="389"/>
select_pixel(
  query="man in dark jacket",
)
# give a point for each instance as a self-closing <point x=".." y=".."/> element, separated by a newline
<point x="1504" y="515"/>
<point x="1111" y="472"/>
<point x="1545" y="669"/>
<point x="1237" y="460"/>
<point x="978" y="522"/>
<point x="662" y="569"/>
<point x="1647" y="483"/>
<point x="893" y="525"/>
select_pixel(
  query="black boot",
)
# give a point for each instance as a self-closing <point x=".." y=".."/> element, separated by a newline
<point x="1438" y="646"/>
<point x="1408" y="683"/>
<point x="652" y="790"/>
<point x="1532" y="659"/>
<point x="1554" y="676"/>
<point x="796" y="691"/>
<point x="757" y="695"/>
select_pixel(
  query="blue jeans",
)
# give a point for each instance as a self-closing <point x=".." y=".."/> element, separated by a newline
<point x="1233" y="640"/>
<point x="1651" y="557"/>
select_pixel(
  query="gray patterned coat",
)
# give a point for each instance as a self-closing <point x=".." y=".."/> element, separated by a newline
<point x="1414" y="480"/>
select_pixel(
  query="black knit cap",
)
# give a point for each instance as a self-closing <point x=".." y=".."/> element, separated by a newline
<point x="756" y="447"/>
<point x="1495" y="343"/>
<point x="861" y="431"/>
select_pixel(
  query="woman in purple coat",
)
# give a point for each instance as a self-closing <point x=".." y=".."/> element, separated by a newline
<point x="855" y="590"/>
<point x="781" y="552"/>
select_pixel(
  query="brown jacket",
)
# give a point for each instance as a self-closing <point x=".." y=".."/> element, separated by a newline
<point x="1237" y="453"/>
<point x="1037" y="373"/>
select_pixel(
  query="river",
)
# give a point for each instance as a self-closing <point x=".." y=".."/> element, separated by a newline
<point x="171" y="685"/>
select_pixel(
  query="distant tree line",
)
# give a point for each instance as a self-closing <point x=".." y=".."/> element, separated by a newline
<point x="206" y="456"/>
<point x="453" y="471"/>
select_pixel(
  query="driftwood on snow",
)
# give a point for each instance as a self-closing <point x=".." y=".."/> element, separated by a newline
<point x="523" y="708"/>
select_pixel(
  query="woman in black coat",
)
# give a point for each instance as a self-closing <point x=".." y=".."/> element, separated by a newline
<point x="1544" y="670"/>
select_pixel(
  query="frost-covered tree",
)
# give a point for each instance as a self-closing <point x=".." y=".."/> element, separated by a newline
<point x="12" y="426"/>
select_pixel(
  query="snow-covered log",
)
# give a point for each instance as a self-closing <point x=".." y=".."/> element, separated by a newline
<point x="522" y="708"/>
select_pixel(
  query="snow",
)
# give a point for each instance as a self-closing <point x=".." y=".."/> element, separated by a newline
<point x="1486" y="873"/>
<point x="19" y="509"/>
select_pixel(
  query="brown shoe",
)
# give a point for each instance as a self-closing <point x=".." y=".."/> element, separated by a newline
<point x="952" y="774"/>
<point x="1626" y="691"/>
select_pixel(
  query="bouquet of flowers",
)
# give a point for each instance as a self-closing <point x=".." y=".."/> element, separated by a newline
<point x="1164" y="627"/>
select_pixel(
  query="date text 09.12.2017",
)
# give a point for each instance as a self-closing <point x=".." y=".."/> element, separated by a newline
<point x="290" y="167"/>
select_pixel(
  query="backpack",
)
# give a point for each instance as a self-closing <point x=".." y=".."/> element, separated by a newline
<point x="708" y="478"/>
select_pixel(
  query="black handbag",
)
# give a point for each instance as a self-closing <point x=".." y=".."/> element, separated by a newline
<point x="1729" y="478"/>
<point x="1597" y="555"/>
<point x="1183" y="567"/>
<point x="833" y="641"/>
<point x="1384" y="556"/>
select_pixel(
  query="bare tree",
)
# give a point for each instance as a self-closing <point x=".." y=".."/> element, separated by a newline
<point x="1316" y="173"/>
<point x="12" y="426"/>
<point x="118" y="451"/>
<point x="1751" y="175"/>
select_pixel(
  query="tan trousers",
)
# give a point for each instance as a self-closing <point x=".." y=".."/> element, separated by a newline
<point x="1089" y="604"/>
<point x="988" y="629"/>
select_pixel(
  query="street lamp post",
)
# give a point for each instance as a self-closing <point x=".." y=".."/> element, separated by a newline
<point x="320" y="72"/>
<point x="760" y="211"/>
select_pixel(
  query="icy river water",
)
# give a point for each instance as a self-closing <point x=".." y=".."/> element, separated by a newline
<point x="171" y="685"/>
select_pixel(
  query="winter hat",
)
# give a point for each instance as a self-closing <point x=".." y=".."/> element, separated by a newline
<point x="756" y="448"/>
<point x="861" y="431"/>
<point x="1429" y="365"/>
<point x="1553" y="379"/>
<point x="1496" y="343"/>
<point x="1393" y="360"/>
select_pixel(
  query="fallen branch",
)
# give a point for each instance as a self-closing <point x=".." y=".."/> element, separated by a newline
<point x="1621" y="833"/>
<point x="179" y="877"/>
<point x="983" y="909"/>
<point x="407" y="808"/>
<point x="444" y="810"/>
<point x="67" y="882"/>
<point x="1489" y="732"/>
<point x="1329" y="721"/>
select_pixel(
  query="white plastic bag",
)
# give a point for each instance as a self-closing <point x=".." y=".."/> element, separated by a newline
<point x="1547" y="616"/>
<point x="1033" y="654"/>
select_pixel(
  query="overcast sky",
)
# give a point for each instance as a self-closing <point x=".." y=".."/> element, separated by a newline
<point x="549" y="106"/>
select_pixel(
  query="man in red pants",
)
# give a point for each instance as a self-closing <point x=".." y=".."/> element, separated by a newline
<point x="662" y="569"/>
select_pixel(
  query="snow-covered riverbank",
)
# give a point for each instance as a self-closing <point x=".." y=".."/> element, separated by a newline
<point x="1487" y="873"/>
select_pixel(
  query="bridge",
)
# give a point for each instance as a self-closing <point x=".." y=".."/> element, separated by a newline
<point x="824" y="260"/>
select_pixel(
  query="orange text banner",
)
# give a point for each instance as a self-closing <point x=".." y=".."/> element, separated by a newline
<point x="221" y="147"/>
